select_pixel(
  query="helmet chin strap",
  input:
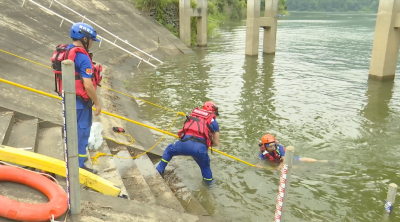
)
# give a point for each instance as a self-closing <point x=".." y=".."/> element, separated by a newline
<point x="85" y="43"/>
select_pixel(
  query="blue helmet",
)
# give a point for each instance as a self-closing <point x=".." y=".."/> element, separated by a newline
<point x="80" y="30"/>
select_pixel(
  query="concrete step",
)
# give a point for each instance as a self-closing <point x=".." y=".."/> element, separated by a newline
<point x="187" y="200"/>
<point x="184" y="195"/>
<point x="163" y="194"/>
<point x="107" y="208"/>
<point x="99" y="207"/>
<point x="107" y="168"/>
<point x="24" y="134"/>
<point x="6" y="124"/>
<point x="134" y="182"/>
<point x="51" y="143"/>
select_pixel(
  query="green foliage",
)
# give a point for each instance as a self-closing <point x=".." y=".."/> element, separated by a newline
<point x="158" y="7"/>
<point x="218" y="11"/>
<point x="282" y="7"/>
<point x="333" y="5"/>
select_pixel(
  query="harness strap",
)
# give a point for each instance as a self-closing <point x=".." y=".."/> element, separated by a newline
<point x="194" y="139"/>
<point x="59" y="49"/>
<point x="55" y="85"/>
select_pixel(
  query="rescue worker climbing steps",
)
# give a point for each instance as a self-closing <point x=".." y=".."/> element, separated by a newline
<point x="199" y="132"/>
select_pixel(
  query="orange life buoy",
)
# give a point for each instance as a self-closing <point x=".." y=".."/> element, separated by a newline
<point x="15" y="210"/>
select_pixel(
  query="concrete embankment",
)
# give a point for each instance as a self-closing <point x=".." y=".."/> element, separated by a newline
<point x="32" y="32"/>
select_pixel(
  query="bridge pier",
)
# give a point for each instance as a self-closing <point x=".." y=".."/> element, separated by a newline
<point x="185" y="13"/>
<point x="385" y="49"/>
<point x="254" y="22"/>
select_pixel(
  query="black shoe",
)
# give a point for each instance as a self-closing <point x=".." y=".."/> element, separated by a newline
<point x="90" y="170"/>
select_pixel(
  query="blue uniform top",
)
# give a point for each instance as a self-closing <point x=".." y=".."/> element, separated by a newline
<point x="83" y="66"/>
<point x="214" y="126"/>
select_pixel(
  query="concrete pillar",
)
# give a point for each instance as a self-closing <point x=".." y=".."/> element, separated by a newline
<point x="202" y="23"/>
<point x="252" y="27"/>
<point x="385" y="50"/>
<point x="379" y="96"/>
<point x="271" y="11"/>
<point x="185" y="13"/>
<point x="184" y="22"/>
<point x="254" y="22"/>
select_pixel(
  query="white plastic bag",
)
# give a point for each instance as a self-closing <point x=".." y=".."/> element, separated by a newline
<point x="95" y="138"/>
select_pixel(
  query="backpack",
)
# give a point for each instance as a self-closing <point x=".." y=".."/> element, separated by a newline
<point x="62" y="53"/>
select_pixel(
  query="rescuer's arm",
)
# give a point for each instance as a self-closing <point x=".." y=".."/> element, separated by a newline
<point x="215" y="139"/>
<point x="215" y="131"/>
<point x="92" y="94"/>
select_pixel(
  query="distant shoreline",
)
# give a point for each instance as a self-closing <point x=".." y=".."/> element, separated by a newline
<point x="331" y="12"/>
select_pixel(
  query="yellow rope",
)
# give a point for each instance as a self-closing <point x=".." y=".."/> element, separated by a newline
<point x="105" y="112"/>
<point x="116" y="116"/>
<point x="25" y="59"/>
<point x="180" y="113"/>
<point x="132" y="140"/>
<point x="231" y="157"/>
<point x="95" y="160"/>
<point x="123" y="118"/>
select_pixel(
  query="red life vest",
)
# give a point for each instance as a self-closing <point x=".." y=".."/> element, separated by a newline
<point x="198" y="125"/>
<point x="274" y="156"/>
<point x="62" y="54"/>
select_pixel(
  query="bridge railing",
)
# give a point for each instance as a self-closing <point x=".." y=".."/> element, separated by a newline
<point x="116" y="37"/>
<point x="99" y="36"/>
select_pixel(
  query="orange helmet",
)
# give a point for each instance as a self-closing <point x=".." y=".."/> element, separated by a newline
<point x="210" y="106"/>
<point x="268" y="138"/>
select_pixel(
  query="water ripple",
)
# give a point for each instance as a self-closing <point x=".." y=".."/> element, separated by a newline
<point x="312" y="94"/>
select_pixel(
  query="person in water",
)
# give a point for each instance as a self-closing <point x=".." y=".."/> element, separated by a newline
<point x="271" y="150"/>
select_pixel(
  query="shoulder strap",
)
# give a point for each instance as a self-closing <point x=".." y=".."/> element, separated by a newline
<point x="71" y="52"/>
<point x="277" y="150"/>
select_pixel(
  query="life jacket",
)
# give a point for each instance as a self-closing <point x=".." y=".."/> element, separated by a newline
<point x="62" y="53"/>
<point x="197" y="125"/>
<point x="274" y="156"/>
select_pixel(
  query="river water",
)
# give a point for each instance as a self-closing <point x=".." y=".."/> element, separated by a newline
<point x="313" y="94"/>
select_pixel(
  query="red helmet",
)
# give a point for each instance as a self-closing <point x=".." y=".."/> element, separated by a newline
<point x="210" y="106"/>
<point x="268" y="138"/>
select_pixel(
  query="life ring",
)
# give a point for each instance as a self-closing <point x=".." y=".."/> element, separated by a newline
<point x="15" y="210"/>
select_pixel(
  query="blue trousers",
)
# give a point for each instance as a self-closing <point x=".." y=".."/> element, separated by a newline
<point x="84" y="122"/>
<point x="196" y="150"/>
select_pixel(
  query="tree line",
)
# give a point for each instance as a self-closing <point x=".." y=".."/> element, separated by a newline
<point x="333" y="5"/>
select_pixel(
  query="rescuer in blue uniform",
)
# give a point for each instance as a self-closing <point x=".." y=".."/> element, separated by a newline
<point x="199" y="132"/>
<point x="83" y="35"/>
